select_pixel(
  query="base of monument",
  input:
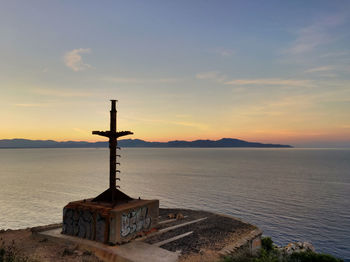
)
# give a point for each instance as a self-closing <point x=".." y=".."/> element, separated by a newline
<point x="192" y="236"/>
<point x="105" y="223"/>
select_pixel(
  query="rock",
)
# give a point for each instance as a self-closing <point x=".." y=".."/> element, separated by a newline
<point x="68" y="252"/>
<point x="171" y="215"/>
<point x="179" y="216"/>
<point x="308" y="246"/>
<point x="87" y="253"/>
<point x="297" y="247"/>
<point x="78" y="252"/>
<point x="43" y="240"/>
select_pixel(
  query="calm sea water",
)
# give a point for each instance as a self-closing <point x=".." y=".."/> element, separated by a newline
<point x="291" y="194"/>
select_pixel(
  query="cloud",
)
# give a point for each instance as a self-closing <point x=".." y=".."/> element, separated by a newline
<point x="199" y="126"/>
<point x="335" y="54"/>
<point x="31" y="105"/>
<point x="135" y="80"/>
<point x="315" y="35"/>
<point x="211" y="75"/>
<point x="196" y="125"/>
<point x="220" y="78"/>
<point x="74" y="61"/>
<point x="60" y="92"/>
<point x="81" y="131"/>
<point x="225" y="52"/>
<point x="329" y="71"/>
<point x="319" y="69"/>
<point x="270" y="81"/>
<point x="182" y="115"/>
<point x="207" y="75"/>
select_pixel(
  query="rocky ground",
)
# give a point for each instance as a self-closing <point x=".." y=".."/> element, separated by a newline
<point x="213" y="233"/>
<point x="26" y="246"/>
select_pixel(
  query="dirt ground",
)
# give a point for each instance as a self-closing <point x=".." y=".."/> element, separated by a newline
<point x="26" y="246"/>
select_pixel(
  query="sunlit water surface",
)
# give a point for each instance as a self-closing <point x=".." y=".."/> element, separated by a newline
<point x="291" y="194"/>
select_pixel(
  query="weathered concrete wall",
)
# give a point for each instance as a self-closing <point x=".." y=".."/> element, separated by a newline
<point x="248" y="243"/>
<point x="129" y="221"/>
<point x="90" y="220"/>
<point x="255" y="245"/>
<point x="84" y="223"/>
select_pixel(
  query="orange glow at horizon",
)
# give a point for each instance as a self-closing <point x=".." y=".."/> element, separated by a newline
<point x="276" y="137"/>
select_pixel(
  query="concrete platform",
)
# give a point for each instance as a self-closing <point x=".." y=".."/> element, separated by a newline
<point x="135" y="251"/>
<point x="181" y="235"/>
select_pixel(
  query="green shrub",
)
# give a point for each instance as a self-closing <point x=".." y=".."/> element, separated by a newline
<point x="267" y="255"/>
<point x="267" y="243"/>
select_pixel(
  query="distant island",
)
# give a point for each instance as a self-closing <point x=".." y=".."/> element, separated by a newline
<point x="224" y="142"/>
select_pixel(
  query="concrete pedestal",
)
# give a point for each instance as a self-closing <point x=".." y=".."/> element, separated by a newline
<point x="114" y="225"/>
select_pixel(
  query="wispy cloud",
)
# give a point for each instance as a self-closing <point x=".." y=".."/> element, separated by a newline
<point x="208" y="75"/>
<point x="336" y="54"/>
<point x="328" y="71"/>
<point x="196" y="125"/>
<point x="315" y="35"/>
<point x="319" y="69"/>
<point x="32" y="105"/>
<point x="211" y="75"/>
<point x="81" y="131"/>
<point x="225" y="52"/>
<point x="193" y="124"/>
<point x="271" y="81"/>
<point x="182" y="115"/>
<point x="135" y="80"/>
<point x="60" y="92"/>
<point x="74" y="60"/>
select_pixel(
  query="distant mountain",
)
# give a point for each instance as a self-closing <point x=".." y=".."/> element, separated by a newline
<point x="224" y="142"/>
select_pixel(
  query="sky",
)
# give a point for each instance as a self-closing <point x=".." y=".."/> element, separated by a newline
<point x="266" y="71"/>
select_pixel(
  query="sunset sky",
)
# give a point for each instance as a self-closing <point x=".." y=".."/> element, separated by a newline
<point x="266" y="71"/>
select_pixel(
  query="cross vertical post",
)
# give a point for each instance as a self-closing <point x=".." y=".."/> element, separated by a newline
<point x="112" y="194"/>
<point x="113" y="149"/>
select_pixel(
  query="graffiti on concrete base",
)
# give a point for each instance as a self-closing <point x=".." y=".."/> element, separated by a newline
<point x="135" y="221"/>
<point x="81" y="223"/>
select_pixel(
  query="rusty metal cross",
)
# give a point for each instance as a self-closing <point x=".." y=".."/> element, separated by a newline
<point x="112" y="194"/>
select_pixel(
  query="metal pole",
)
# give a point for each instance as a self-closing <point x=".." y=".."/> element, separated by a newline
<point x="113" y="150"/>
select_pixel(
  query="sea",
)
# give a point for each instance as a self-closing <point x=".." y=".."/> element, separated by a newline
<point x="292" y="194"/>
